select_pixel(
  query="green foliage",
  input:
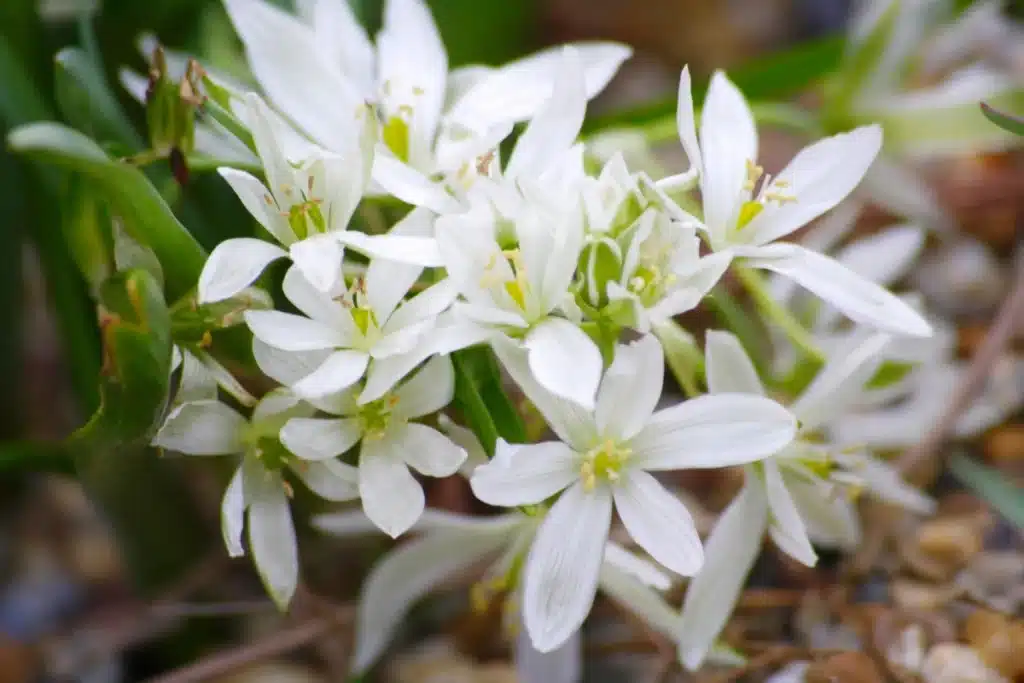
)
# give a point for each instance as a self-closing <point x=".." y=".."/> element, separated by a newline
<point x="1008" y="122"/>
<point x="482" y="400"/>
<point x="992" y="486"/>
<point x="86" y="101"/>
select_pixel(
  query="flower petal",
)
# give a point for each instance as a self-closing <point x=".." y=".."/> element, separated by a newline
<point x="728" y="140"/>
<point x="417" y="251"/>
<point x="392" y="497"/>
<point x="319" y="259"/>
<point x="631" y="388"/>
<point x="819" y="177"/>
<point x="563" y="566"/>
<point x="787" y="527"/>
<point x="341" y="370"/>
<point x="329" y="479"/>
<point x="286" y="367"/>
<point x="272" y="541"/>
<point x="713" y="431"/>
<point x="729" y="554"/>
<point x="517" y="90"/>
<point x="343" y="39"/>
<point x="202" y="428"/>
<point x="315" y="303"/>
<point x="524" y="474"/>
<point x="685" y="122"/>
<point x="641" y="569"/>
<point x="658" y="522"/>
<point x="554" y="128"/>
<point x="406" y="575"/>
<point x="290" y="332"/>
<point x="564" y="360"/>
<point x="428" y="391"/>
<point x="884" y="482"/>
<point x="902" y="192"/>
<point x="573" y="425"/>
<point x="640" y="599"/>
<point x="430" y="452"/>
<point x="828" y="518"/>
<point x="861" y="300"/>
<point x="254" y="197"/>
<point x="232" y="515"/>
<point x="411" y="186"/>
<point x="319" y="438"/>
<point x="727" y="365"/>
<point x="233" y="265"/>
<point x="841" y="382"/>
<point x="387" y="282"/>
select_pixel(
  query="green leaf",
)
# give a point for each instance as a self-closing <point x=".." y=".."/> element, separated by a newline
<point x="1013" y="124"/>
<point x="992" y="486"/>
<point x="87" y="232"/>
<point x="860" y="62"/>
<point x="480" y="395"/>
<point x="86" y="101"/>
<point x="147" y="218"/>
<point x="35" y="456"/>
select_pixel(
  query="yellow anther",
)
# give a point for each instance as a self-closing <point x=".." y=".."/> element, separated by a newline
<point x="418" y="91"/>
<point x="603" y="462"/>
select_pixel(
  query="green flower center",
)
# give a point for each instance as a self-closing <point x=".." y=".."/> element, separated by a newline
<point x="395" y="133"/>
<point x="518" y="288"/>
<point x="375" y="417"/>
<point x="603" y="463"/>
<point x="767" y="190"/>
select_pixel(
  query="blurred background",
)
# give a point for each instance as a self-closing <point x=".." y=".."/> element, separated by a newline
<point x="70" y="608"/>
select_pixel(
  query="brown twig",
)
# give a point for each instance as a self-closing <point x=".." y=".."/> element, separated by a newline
<point x="1009" y="316"/>
<point x="273" y="645"/>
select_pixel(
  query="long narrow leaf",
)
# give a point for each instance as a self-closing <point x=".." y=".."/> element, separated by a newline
<point x="992" y="487"/>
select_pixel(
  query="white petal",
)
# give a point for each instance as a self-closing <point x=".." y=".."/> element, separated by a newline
<point x="729" y="554"/>
<point x="387" y="283"/>
<point x="411" y="186"/>
<point x="631" y="388"/>
<point x="385" y="373"/>
<point x="903" y="192"/>
<point x="402" y="340"/>
<point x="658" y="522"/>
<point x="319" y="259"/>
<point x="290" y="332"/>
<point x="272" y="540"/>
<point x="517" y="90"/>
<point x="232" y="515"/>
<point x="524" y="474"/>
<point x="643" y="570"/>
<point x="340" y="35"/>
<point x="258" y="201"/>
<point x="564" y="360"/>
<point x="861" y="300"/>
<point x="202" y="428"/>
<point x="392" y="497"/>
<point x="315" y="303"/>
<point x="283" y="56"/>
<point x="407" y="574"/>
<point x="341" y="370"/>
<point x="828" y="518"/>
<point x="276" y="403"/>
<point x="428" y="391"/>
<point x="885" y="483"/>
<point x="885" y="257"/>
<point x="570" y="422"/>
<point x="197" y="382"/>
<point x="286" y="367"/>
<point x="418" y="251"/>
<point x="234" y="265"/>
<point x="563" y="566"/>
<point x="727" y="365"/>
<point x="468" y="441"/>
<point x="841" y="382"/>
<point x="555" y="127"/>
<point x="329" y="479"/>
<point x="685" y="122"/>
<point x="425" y="306"/>
<point x="820" y="177"/>
<point x="318" y="438"/>
<point x="428" y="451"/>
<point x="787" y="528"/>
<point x="640" y="599"/>
<point x="728" y="140"/>
<point x="713" y="431"/>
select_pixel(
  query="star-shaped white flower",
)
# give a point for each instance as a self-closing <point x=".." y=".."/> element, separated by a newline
<point x="390" y="443"/>
<point x="308" y="199"/>
<point x="608" y="455"/>
<point x="796" y="495"/>
<point x="747" y="212"/>
<point x="433" y="123"/>
<point x="259" y="486"/>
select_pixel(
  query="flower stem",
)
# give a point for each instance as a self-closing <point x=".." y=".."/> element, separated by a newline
<point x="682" y="355"/>
<point x="778" y="314"/>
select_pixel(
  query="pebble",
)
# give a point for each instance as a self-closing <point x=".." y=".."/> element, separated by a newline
<point x="1005" y="445"/>
<point x="998" y="640"/>
<point x="844" y="667"/>
<point x="956" y="663"/>
<point x="273" y="672"/>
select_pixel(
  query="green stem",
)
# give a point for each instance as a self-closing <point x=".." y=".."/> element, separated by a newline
<point x="778" y="314"/>
<point x="684" y="359"/>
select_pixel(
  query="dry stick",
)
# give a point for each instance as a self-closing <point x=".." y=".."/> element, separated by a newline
<point x="1010" y="314"/>
<point x="273" y="645"/>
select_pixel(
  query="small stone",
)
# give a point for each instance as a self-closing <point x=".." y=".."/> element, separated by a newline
<point x="969" y="338"/>
<point x="956" y="663"/>
<point x="273" y="672"/>
<point x="952" y="540"/>
<point x="18" y="662"/>
<point x="917" y="595"/>
<point x="1005" y="445"/>
<point x="845" y="667"/>
<point x="998" y="640"/>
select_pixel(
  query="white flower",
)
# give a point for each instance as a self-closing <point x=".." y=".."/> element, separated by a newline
<point x="307" y="201"/>
<point x="368" y="329"/>
<point x="747" y="212"/>
<point x="259" y="487"/>
<point x="432" y="122"/>
<point x="201" y="375"/>
<point x="608" y="454"/>
<point x="391" y="443"/>
<point x="514" y="277"/>
<point x="453" y="544"/>
<point x="796" y="495"/>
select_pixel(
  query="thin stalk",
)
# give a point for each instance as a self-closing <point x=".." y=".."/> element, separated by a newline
<point x="779" y="314"/>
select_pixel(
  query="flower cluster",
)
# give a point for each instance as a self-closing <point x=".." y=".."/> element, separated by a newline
<point x="572" y="277"/>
